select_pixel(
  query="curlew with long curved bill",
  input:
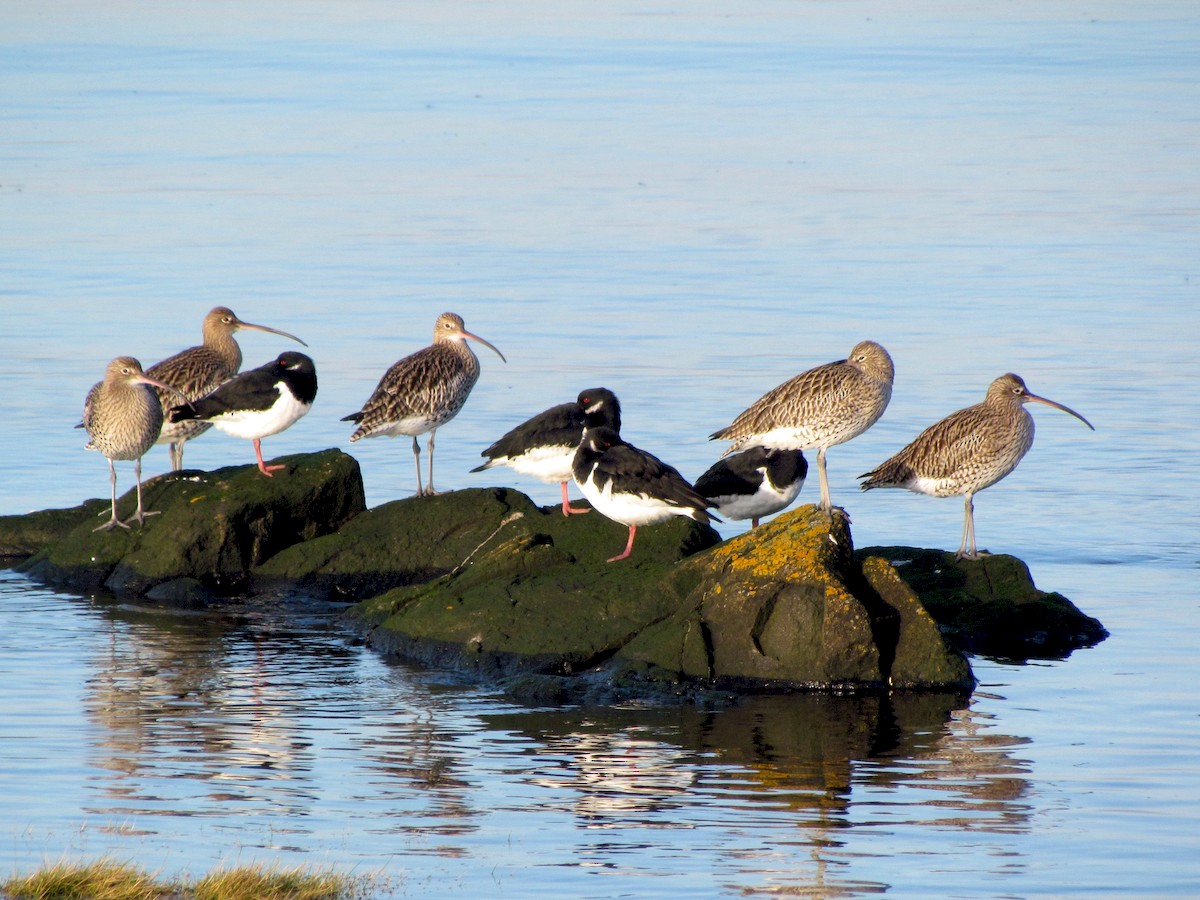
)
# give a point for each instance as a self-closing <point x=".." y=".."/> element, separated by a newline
<point x="200" y="370"/>
<point x="967" y="451"/>
<point x="423" y="391"/>
<point x="818" y="409"/>
<point x="122" y="415"/>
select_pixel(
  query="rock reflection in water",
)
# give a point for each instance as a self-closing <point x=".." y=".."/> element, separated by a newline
<point x="198" y="716"/>
<point x="806" y="765"/>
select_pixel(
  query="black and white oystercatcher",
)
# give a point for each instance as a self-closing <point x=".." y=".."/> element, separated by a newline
<point x="423" y="391"/>
<point x="631" y="486"/>
<point x="258" y="403"/>
<point x="754" y="483"/>
<point x="544" y="446"/>
<point x="123" y="416"/>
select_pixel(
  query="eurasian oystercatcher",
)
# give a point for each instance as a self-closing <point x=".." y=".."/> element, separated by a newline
<point x="545" y="445"/>
<point x="631" y="486"/>
<point x="258" y="403"/>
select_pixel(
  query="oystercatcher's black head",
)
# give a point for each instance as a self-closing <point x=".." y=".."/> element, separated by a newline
<point x="600" y="407"/>
<point x="601" y="438"/>
<point x="299" y="373"/>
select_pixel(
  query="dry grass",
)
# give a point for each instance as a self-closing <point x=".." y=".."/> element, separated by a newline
<point x="268" y="883"/>
<point x="108" y="880"/>
<point x="102" y="880"/>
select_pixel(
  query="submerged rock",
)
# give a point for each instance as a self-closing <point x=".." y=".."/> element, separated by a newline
<point x="211" y="530"/>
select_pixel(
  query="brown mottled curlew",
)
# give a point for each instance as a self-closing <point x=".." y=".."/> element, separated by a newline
<point x="198" y="371"/>
<point x="122" y="416"/>
<point x="967" y="451"/>
<point x="423" y="391"/>
<point x="817" y="409"/>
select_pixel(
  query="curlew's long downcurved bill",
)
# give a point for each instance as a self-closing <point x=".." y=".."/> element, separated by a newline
<point x="285" y="334"/>
<point x="1035" y="398"/>
<point x="487" y="344"/>
<point x="145" y="379"/>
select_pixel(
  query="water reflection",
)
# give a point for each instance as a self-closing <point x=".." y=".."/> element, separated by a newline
<point x="277" y="734"/>
<point x="196" y="713"/>
<point x="777" y="778"/>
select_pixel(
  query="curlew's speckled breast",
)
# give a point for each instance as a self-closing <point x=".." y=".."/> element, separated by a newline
<point x="122" y="420"/>
<point x="420" y="392"/>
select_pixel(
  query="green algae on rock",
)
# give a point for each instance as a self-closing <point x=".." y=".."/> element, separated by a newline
<point x="213" y="527"/>
<point x="781" y="608"/>
<point x="420" y="539"/>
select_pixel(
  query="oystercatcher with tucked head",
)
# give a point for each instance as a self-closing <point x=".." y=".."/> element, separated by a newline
<point x="631" y="486"/>
<point x="258" y="403"/>
<point x="544" y="446"/>
<point x="754" y="483"/>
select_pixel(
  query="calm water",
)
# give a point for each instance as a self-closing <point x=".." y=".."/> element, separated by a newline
<point x="687" y="205"/>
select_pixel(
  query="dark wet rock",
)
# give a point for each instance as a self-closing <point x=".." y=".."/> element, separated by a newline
<point x="990" y="606"/>
<point x="213" y="527"/>
<point x="421" y="539"/>
<point x="23" y="536"/>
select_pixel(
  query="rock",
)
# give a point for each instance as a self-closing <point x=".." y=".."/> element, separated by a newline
<point x="990" y="606"/>
<point x="486" y="581"/>
<point x="213" y="527"/>
<point x="420" y="539"/>
<point x="784" y="607"/>
<point x="23" y="536"/>
<point x="787" y="606"/>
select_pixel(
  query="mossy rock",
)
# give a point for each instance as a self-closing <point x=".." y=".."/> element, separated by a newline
<point x="519" y="587"/>
<point x="991" y="606"/>
<point x="786" y="606"/>
<point x="782" y="608"/>
<point x="421" y="539"/>
<point x="23" y="536"/>
<point x="213" y="527"/>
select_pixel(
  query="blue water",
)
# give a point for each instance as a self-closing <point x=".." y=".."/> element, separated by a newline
<point x="687" y="205"/>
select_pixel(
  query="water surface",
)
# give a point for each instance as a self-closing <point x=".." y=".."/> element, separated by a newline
<point x="687" y="206"/>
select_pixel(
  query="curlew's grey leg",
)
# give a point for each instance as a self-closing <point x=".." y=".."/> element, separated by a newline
<point x="825" y="504"/>
<point x="141" y="514"/>
<point x="417" y="460"/>
<point x="429" y="490"/>
<point x="114" y="521"/>
<point x="175" y="448"/>
<point x="966" y="550"/>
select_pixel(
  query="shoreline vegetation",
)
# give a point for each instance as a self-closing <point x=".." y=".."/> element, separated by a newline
<point x="108" y="879"/>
